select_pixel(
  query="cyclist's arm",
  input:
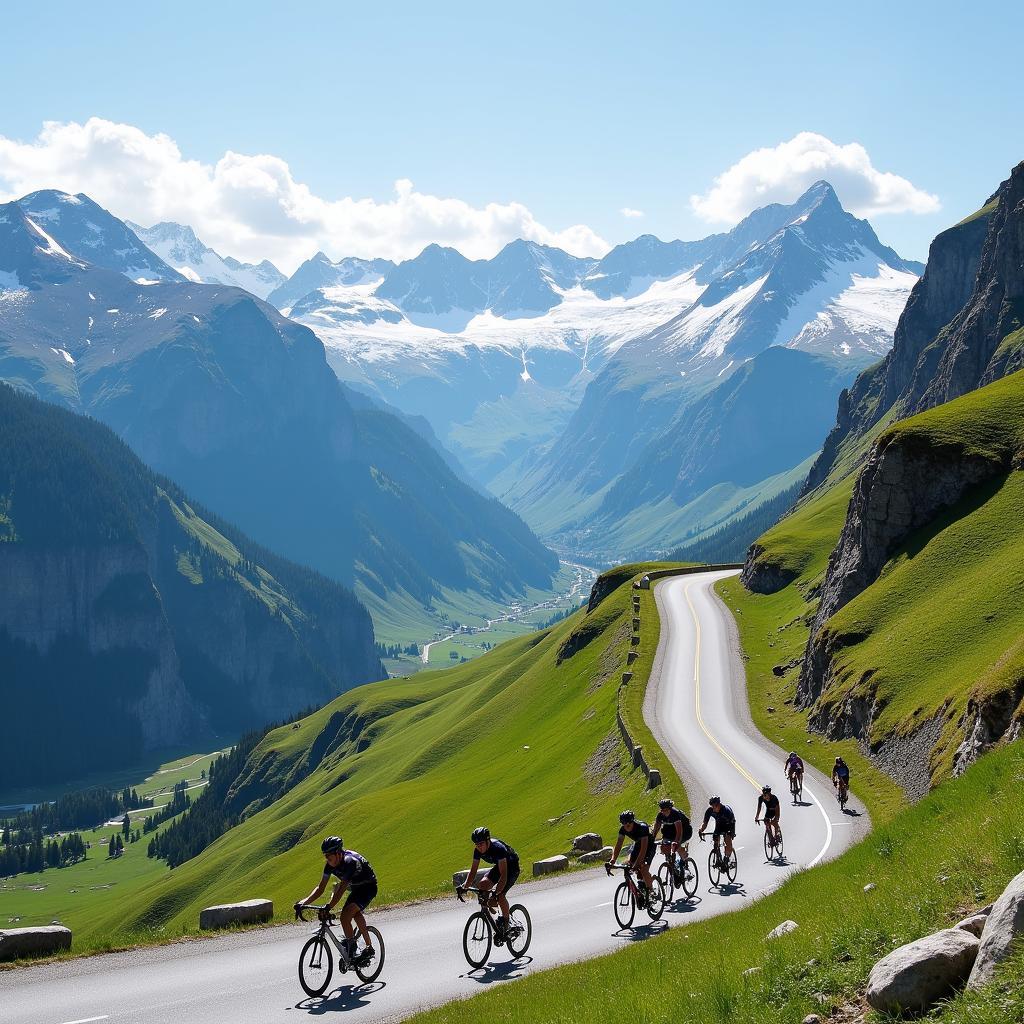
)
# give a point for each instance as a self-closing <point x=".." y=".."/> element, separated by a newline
<point x="618" y="847"/>
<point x="707" y="818"/>
<point x="315" y="894"/>
<point x="339" y="889"/>
<point x="679" y="834"/>
<point x="502" y="875"/>
<point x="473" y="868"/>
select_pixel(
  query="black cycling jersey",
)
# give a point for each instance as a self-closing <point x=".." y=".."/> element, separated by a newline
<point x="353" y="868"/>
<point x="641" y="830"/>
<point x="771" y="806"/>
<point x="667" y="824"/>
<point x="497" y="851"/>
<point x="843" y="771"/>
<point x="794" y="764"/>
<point x="725" y="819"/>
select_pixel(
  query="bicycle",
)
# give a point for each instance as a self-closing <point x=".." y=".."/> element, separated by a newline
<point x="772" y="843"/>
<point x="719" y="864"/>
<point x="682" y="875"/>
<point x="316" y="965"/>
<point x="481" y="931"/>
<point x="628" y="897"/>
<point x="843" y="793"/>
<point x="796" y="785"/>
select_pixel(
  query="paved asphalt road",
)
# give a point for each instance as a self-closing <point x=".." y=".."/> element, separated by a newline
<point x="697" y="707"/>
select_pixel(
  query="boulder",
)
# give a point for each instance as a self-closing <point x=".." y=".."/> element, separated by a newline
<point x="459" y="878"/>
<point x="914" y="977"/>
<point x="783" y="929"/>
<point x="870" y="887"/>
<point x="975" y="924"/>
<point x="18" y="943"/>
<point x="246" y="912"/>
<point x="597" y="856"/>
<point x="550" y="865"/>
<point x="653" y="778"/>
<point x="1004" y="924"/>
<point x="587" y="843"/>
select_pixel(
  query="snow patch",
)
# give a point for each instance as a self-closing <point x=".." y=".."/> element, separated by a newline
<point x="157" y="313"/>
<point x="65" y="353"/>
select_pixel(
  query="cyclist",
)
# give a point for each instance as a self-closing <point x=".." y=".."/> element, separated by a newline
<point x="353" y="872"/>
<point x="501" y="877"/>
<point x="676" y="831"/>
<point x="841" y="776"/>
<point x="772" y="811"/>
<point x="641" y="853"/>
<point x="725" y="823"/>
<point x="794" y="767"/>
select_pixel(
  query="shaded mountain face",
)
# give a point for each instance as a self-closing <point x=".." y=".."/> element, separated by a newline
<point x="81" y="227"/>
<point x="963" y="326"/>
<point x="498" y="354"/>
<point x="215" y="389"/>
<point x="178" y="246"/>
<point x="320" y="272"/>
<point x="132" y="619"/>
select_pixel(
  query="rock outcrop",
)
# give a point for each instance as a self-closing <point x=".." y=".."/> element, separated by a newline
<point x="1004" y="927"/>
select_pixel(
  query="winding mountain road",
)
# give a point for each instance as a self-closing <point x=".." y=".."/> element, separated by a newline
<point x="696" y="705"/>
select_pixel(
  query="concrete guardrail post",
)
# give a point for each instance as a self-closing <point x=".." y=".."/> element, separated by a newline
<point x="224" y="914"/>
<point x="19" y="943"/>
<point x="550" y="865"/>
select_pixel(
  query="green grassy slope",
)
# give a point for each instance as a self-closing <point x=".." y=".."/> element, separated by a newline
<point x="523" y="738"/>
<point x="934" y="862"/>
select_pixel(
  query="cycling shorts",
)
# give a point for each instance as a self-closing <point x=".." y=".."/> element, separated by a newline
<point x="634" y="858"/>
<point x="362" y="894"/>
<point x="513" y="873"/>
<point x="687" y="836"/>
<point x="770" y="816"/>
<point x="730" y="831"/>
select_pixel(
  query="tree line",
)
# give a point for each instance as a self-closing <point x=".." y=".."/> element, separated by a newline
<point x="85" y="808"/>
<point x="38" y="854"/>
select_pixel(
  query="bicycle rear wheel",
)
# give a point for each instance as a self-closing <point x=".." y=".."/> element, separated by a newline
<point x="690" y="877"/>
<point x="520" y="930"/>
<point x="778" y="845"/>
<point x="476" y="939"/>
<point x="625" y="908"/>
<point x="655" y="900"/>
<point x="371" y="971"/>
<point x="714" y="869"/>
<point x="665" y="877"/>
<point x="316" y="965"/>
<point x="731" y="866"/>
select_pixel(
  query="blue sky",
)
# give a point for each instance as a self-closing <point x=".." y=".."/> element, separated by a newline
<point x="573" y="110"/>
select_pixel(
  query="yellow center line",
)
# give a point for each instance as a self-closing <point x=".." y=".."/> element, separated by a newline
<point x="696" y="680"/>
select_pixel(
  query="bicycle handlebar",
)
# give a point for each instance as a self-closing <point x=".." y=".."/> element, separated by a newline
<point x="484" y="894"/>
<point x="299" y="916"/>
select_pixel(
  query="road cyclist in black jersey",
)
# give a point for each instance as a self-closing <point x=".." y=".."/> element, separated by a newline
<point x="769" y="803"/>
<point x="353" y="872"/>
<point x="841" y="780"/>
<point x="641" y="853"/>
<point x="725" y="829"/>
<point x="794" y="769"/>
<point x="679" y="870"/>
<point x="500" y="878"/>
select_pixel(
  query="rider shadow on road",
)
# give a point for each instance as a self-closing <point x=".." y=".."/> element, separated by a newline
<point x="347" y="997"/>
<point x="507" y="971"/>
<point x="640" y="932"/>
<point x="685" y="905"/>
<point x="851" y="812"/>
<point x="730" y="889"/>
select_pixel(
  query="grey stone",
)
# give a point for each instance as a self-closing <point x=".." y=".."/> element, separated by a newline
<point x="246" y="912"/>
<point x="17" y="943"/>
<point x="459" y="878"/>
<point x="812" y="1018"/>
<point x="783" y="929"/>
<point x="870" y="887"/>
<point x="653" y="778"/>
<point x="914" y="977"/>
<point x="597" y="856"/>
<point x="1005" y="923"/>
<point x="587" y="843"/>
<point x="975" y="924"/>
<point x="549" y="865"/>
<point x="751" y="970"/>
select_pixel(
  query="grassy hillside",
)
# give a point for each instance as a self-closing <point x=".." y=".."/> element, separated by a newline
<point x="523" y="738"/>
<point x="950" y="854"/>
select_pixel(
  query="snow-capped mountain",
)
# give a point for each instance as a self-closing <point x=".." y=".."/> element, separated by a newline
<point x="92" y="234"/>
<point x="178" y="246"/>
<point x="320" y="272"/>
<point x="497" y="354"/>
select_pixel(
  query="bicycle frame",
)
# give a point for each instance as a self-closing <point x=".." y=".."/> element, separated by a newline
<point x="326" y="931"/>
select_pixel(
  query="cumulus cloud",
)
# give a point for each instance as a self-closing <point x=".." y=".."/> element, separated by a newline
<point x="251" y="207"/>
<point x="628" y="211"/>
<point x="782" y="173"/>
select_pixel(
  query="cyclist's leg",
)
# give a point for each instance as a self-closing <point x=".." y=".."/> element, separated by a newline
<point x="510" y="880"/>
<point x="346" y="917"/>
<point x="728" y="844"/>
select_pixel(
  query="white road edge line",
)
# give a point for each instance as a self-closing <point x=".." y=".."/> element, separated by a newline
<point x="828" y="828"/>
<point x="86" y="1020"/>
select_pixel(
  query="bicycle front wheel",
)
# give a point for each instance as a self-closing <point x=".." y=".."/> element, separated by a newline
<point x="520" y="930"/>
<point x="625" y="908"/>
<point x="731" y="866"/>
<point x="665" y="877"/>
<point x="690" y="877"/>
<point x="714" y="869"/>
<point x="767" y="846"/>
<point x="655" y="900"/>
<point x="476" y="939"/>
<point x="778" y="845"/>
<point x="316" y="965"/>
<point x="371" y="971"/>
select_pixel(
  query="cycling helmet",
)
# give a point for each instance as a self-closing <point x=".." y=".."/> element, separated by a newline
<point x="714" y="800"/>
<point x="766" y="789"/>
<point x="792" y="753"/>
<point x="839" y="760"/>
<point x="481" y="835"/>
<point x="665" y="803"/>
<point x="331" y="844"/>
<point x="627" y="816"/>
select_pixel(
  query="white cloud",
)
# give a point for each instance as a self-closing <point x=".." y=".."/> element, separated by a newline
<point x="252" y="208"/>
<point x="781" y="174"/>
<point x="628" y="211"/>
